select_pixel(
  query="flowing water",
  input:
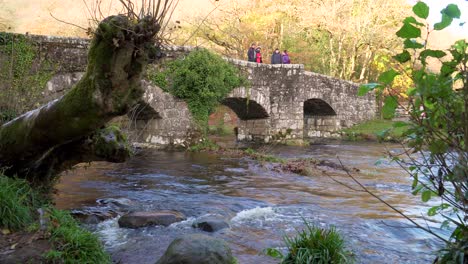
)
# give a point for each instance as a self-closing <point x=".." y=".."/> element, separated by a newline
<point x="262" y="204"/>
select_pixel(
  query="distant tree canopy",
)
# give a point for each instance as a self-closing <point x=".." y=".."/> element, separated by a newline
<point x="341" y="38"/>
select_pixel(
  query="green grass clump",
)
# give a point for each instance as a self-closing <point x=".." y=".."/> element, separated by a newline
<point x="376" y="129"/>
<point x="204" y="145"/>
<point x="73" y="244"/>
<point x="314" y="245"/>
<point x="70" y="243"/>
<point x="18" y="203"/>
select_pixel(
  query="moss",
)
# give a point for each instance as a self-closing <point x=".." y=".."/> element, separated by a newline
<point x="112" y="144"/>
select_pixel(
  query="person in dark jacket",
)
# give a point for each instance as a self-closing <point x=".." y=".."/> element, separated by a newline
<point x="251" y="53"/>
<point x="286" y="59"/>
<point x="276" y="57"/>
<point x="258" y="55"/>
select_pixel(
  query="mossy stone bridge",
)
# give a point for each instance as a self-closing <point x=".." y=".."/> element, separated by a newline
<point x="283" y="101"/>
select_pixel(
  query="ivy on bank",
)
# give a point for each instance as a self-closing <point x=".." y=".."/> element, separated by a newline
<point x="23" y="73"/>
<point x="203" y="79"/>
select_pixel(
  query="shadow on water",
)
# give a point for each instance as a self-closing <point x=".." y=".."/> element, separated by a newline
<point x="263" y="205"/>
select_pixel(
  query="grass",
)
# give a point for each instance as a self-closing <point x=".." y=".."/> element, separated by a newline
<point x="18" y="203"/>
<point x="71" y="244"/>
<point x="204" y="145"/>
<point x="376" y="129"/>
<point x="314" y="245"/>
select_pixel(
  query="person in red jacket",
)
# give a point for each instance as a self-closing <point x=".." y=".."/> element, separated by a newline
<point x="258" y="55"/>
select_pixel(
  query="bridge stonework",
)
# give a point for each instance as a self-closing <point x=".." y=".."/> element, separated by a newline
<point x="282" y="101"/>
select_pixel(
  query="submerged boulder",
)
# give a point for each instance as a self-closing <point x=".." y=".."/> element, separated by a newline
<point x="141" y="219"/>
<point x="197" y="249"/>
<point x="210" y="224"/>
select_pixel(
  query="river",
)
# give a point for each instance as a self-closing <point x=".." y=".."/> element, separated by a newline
<point x="263" y="205"/>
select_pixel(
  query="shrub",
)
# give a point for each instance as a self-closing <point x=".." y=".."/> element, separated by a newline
<point x="202" y="79"/>
<point x="314" y="245"/>
<point x="438" y="129"/>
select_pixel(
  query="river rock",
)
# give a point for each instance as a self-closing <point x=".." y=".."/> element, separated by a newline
<point x="141" y="219"/>
<point x="197" y="249"/>
<point x="210" y="224"/>
<point x="92" y="217"/>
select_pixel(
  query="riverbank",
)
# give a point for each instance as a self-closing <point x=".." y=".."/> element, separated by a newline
<point x="33" y="231"/>
<point x="376" y="130"/>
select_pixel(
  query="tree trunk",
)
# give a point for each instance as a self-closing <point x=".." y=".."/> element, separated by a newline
<point x="59" y="132"/>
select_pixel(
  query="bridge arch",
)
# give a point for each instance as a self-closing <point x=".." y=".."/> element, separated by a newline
<point x="254" y="119"/>
<point x="245" y="109"/>
<point x="318" y="107"/>
<point x="320" y="119"/>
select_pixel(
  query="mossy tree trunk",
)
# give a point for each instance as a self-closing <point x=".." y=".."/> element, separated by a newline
<point x="45" y="141"/>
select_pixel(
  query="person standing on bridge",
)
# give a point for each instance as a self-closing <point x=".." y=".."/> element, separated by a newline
<point x="276" y="57"/>
<point x="286" y="59"/>
<point x="258" y="55"/>
<point x="251" y="53"/>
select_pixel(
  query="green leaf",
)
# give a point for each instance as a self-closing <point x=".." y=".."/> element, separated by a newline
<point x="447" y="69"/>
<point x="446" y="21"/>
<point x="433" y="53"/>
<point x="412" y="20"/>
<point x="390" y="104"/>
<point x="438" y="147"/>
<point x="412" y="44"/>
<point x="403" y="57"/>
<point x="452" y="11"/>
<point x="445" y="224"/>
<point x="417" y="189"/>
<point x="388" y="76"/>
<point x="274" y="253"/>
<point x="409" y="31"/>
<point x="432" y="211"/>
<point x="426" y="195"/>
<point x="411" y="91"/>
<point x="365" y="88"/>
<point x="415" y="183"/>
<point x="421" y="10"/>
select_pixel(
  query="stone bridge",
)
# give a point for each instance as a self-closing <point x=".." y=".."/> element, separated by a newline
<point x="283" y="101"/>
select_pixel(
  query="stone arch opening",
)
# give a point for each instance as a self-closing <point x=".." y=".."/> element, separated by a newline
<point x="252" y="118"/>
<point x="318" y="107"/>
<point x="143" y="112"/>
<point x="245" y="109"/>
<point x="320" y="119"/>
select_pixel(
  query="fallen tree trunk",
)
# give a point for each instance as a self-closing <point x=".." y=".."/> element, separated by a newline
<point x="45" y="141"/>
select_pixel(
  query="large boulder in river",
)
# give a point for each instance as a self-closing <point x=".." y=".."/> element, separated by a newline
<point x="210" y="223"/>
<point x="197" y="249"/>
<point x="141" y="219"/>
